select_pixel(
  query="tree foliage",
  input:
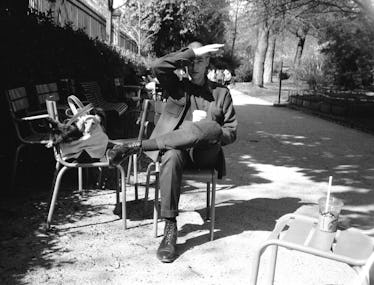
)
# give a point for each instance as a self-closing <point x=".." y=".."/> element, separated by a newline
<point x="37" y="50"/>
<point x="349" y="50"/>
<point x="183" y="21"/>
<point x="141" y="21"/>
<point x="301" y="18"/>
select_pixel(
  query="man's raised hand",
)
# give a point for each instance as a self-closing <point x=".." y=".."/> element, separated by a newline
<point x="207" y="49"/>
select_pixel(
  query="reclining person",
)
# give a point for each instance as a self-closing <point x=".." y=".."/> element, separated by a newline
<point x="183" y="140"/>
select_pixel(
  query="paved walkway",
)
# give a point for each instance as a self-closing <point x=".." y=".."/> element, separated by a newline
<point x="285" y="158"/>
<point x="280" y="164"/>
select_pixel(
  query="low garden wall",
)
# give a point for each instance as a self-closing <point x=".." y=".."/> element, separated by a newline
<point x="336" y="103"/>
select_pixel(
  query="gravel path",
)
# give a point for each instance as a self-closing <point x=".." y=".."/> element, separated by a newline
<point x="279" y="164"/>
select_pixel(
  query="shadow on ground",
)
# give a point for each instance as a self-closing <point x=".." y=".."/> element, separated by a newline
<point x="234" y="217"/>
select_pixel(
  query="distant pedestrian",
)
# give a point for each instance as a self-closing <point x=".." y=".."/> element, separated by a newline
<point x="219" y="76"/>
<point x="212" y="75"/>
<point x="227" y="77"/>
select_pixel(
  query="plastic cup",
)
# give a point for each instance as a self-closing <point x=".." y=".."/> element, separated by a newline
<point x="198" y="115"/>
<point x="329" y="214"/>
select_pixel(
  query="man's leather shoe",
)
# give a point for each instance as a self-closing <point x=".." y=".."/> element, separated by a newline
<point x="166" y="252"/>
<point x="119" y="153"/>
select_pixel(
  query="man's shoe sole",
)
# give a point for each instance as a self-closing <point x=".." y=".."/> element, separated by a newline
<point x="166" y="260"/>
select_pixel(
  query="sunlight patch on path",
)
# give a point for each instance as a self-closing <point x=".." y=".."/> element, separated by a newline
<point x="239" y="98"/>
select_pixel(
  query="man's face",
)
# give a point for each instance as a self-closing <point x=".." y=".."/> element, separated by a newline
<point x="198" y="69"/>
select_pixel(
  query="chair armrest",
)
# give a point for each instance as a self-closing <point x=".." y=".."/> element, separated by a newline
<point x="35" y="117"/>
<point x="133" y="86"/>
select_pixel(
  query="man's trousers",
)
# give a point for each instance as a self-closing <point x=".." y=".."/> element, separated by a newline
<point x="192" y="145"/>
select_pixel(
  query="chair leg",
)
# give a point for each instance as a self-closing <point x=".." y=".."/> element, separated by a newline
<point x="100" y="178"/>
<point x="255" y="266"/>
<point x="118" y="180"/>
<point x="123" y="189"/>
<point x="15" y="166"/>
<point x="273" y="260"/>
<point x="256" y="263"/>
<point x="57" y="169"/>
<point x="213" y="207"/>
<point x="146" y="194"/>
<point x="207" y="215"/>
<point x="129" y="169"/>
<point x="80" y="179"/>
<point x="54" y="195"/>
<point x="135" y="157"/>
<point x="156" y="206"/>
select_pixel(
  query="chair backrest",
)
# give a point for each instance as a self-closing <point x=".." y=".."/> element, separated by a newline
<point x="17" y="100"/>
<point x="144" y="118"/>
<point x="19" y="107"/>
<point x="43" y="91"/>
<point x="66" y="88"/>
<point x="92" y="92"/>
<point x="132" y="91"/>
<point x="118" y="86"/>
<point x="126" y="91"/>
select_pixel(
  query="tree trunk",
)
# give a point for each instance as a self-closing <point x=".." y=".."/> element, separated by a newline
<point x="109" y="22"/>
<point x="119" y="29"/>
<point x="140" y="30"/>
<point x="259" y="60"/>
<point x="301" y="35"/>
<point x="269" y="59"/>
<point x="56" y="8"/>
<point x="235" y="28"/>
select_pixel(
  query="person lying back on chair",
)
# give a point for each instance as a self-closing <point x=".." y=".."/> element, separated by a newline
<point x="198" y="119"/>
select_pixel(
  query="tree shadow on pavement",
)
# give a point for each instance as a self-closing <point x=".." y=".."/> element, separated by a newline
<point x="25" y="243"/>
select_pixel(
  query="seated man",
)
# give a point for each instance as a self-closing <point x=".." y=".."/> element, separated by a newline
<point x="183" y="139"/>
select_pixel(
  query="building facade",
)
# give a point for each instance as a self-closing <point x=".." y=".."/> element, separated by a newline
<point x="92" y="16"/>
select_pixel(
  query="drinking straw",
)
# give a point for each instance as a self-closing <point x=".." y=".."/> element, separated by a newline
<point x="328" y="193"/>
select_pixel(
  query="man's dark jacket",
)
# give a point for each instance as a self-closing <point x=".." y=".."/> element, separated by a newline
<point x="180" y="92"/>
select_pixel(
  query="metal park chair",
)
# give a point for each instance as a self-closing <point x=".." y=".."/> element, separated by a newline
<point x="209" y="176"/>
<point x="25" y="122"/>
<point x="301" y="233"/>
<point x="130" y="92"/>
<point x="92" y="92"/>
<point x="62" y="166"/>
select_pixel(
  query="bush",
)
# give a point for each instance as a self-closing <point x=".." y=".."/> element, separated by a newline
<point x="311" y="72"/>
<point x="36" y="50"/>
<point x="244" y="72"/>
<point x="349" y="48"/>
